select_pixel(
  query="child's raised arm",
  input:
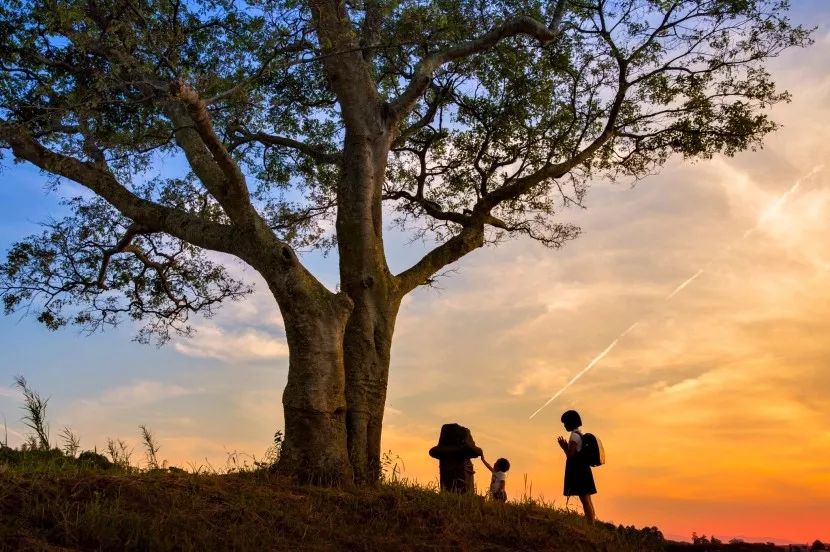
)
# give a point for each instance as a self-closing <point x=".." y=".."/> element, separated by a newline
<point x="488" y="466"/>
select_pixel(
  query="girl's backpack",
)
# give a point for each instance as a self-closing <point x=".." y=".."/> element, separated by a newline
<point x="592" y="451"/>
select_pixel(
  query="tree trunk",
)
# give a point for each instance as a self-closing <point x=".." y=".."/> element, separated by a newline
<point x="365" y="278"/>
<point x="367" y="347"/>
<point x="364" y="275"/>
<point x="314" y="402"/>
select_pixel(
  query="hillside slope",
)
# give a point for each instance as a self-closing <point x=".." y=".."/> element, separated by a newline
<point x="162" y="510"/>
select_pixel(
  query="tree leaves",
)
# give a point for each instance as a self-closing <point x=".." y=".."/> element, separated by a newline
<point x="82" y="271"/>
<point x="505" y="132"/>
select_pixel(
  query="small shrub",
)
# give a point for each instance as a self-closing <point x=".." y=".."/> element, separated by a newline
<point x="271" y="458"/>
<point x="94" y="460"/>
<point x="391" y="467"/>
<point x="9" y="456"/>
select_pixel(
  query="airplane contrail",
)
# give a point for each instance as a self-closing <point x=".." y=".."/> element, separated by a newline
<point x="762" y="218"/>
<point x="776" y="206"/>
<point x="631" y="327"/>
<point x="679" y="288"/>
<point x="590" y="365"/>
<point x="576" y="377"/>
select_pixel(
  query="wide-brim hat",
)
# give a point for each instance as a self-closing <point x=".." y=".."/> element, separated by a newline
<point x="455" y="441"/>
<point x="439" y="452"/>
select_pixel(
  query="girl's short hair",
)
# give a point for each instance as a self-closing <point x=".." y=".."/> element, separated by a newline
<point x="501" y="465"/>
<point x="571" y="420"/>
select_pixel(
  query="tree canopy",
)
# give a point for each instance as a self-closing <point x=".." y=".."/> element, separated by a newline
<point x="496" y="113"/>
<point x="266" y="128"/>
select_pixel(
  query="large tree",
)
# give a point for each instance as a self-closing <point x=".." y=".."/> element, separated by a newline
<point x="463" y="121"/>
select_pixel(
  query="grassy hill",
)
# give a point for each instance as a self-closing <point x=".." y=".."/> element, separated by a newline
<point x="48" y="502"/>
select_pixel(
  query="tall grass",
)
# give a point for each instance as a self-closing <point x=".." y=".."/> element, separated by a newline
<point x="71" y="442"/>
<point x="151" y="448"/>
<point x="35" y="417"/>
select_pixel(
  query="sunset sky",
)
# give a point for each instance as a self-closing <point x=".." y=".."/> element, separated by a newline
<point x="714" y="411"/>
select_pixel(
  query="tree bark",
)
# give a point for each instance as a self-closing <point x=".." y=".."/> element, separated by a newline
<point x="367" y="346"/>
<point x="314" y="401"/>
<point x="365" y="278"/>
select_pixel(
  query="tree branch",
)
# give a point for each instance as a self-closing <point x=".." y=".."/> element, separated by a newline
<point x="370" y="30"/>
<point x="470" y="238"/>
<point x="317" y="153"/>
<point x="231" y="191"/>
<point x="522" y="25"/>
<point x="265" y="68"/>
<point x="430" y="207"/>
<point x="425" y="119"/>
<point x="345" y="67"/>
<point x="148" y="214"/>
<point x="557" y="170"/>
<point x="119" y="247"/>
<point x="160" y="270"/>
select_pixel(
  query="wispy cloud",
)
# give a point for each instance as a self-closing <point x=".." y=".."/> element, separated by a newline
<point x="229" y="345"/>
<point x="141" y="393"/>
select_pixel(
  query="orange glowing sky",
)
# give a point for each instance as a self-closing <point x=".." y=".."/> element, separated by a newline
<point x="714" y="410"/>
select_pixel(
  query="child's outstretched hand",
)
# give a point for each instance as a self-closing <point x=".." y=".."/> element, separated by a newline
<point x="486" y="464"/>
<point x="562" y="443"/>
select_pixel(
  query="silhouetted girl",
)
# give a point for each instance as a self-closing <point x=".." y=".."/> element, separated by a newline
<point x="579" y="481"/>
<point x="497" y="480"/>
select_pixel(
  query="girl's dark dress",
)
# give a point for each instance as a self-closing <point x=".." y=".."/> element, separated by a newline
<point x="578" y="477"/>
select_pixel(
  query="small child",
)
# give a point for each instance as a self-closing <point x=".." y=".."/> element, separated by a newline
<point x="579" y="481"/>
<point x="497" y="481"/>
